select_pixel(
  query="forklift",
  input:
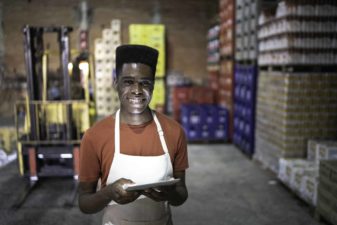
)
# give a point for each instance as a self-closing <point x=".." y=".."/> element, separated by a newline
<point x="51" y="122"/>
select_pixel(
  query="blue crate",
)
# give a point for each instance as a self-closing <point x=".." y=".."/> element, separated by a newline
<point x="241" y="126"/>
<point x="204" y="122"/>
<point x="222" y="115"/>
<point x="193" y="132"/>
<point x="235" y="138"/>
<point x="191" y="114"/>
<point x="210" y="114"/>
<point x="249" y="96"/>
<point x="206" y="132"/>
<point x="249" y="115"/>
<point x="248" y="147"/>
<point x="248" y="131"/>
<point x="219" y="132"/>
<point x="244" y="107"/>
<point x="237" y="90"/>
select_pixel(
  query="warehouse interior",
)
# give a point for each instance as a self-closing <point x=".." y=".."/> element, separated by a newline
<point x="253" y="84"/>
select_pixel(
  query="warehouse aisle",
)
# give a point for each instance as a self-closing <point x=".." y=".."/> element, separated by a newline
<point x="225" y="188"/>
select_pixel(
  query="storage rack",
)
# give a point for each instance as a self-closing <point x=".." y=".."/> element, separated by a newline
<point x="296" y="90"/>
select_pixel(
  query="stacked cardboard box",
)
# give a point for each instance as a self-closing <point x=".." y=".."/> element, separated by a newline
<point x="292" y="108"/>
<point x="107" y="100"/>
<point x="245" y="74"/>
<point x="213" y="58"/>
<point x="303" y="176"/>
<point x="213" y="49"/>
<point x="246" y="30"/>
<point x="226" y="71"/>
<point x="153" y="35"/>
<point x="327" y="191"/>
<point x="299" y="33"/>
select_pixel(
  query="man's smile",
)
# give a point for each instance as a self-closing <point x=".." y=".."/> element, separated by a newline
<point x="136" y="100"/>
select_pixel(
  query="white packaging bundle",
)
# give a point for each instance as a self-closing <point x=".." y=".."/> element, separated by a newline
<point x="313" y="147"/>
<point x="326" y="152"/>
<point x="308" y="191"/>
<point x="116" y="26"/>
<point x="288" y="168"/>
<point x="299" y="173"/>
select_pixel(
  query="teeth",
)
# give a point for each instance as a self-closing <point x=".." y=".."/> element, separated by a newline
<point x="135" y="101"/>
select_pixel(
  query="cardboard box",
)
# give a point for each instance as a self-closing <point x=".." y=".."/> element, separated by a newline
<point x="309" y="189"/>
<point x="153" y="36"/>
<point x="326" y="151"/>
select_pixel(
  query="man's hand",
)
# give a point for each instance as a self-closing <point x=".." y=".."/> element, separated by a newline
<point x="164" y="193"/>
<point x="119" y="195"/>
<point x="174" y="194"/>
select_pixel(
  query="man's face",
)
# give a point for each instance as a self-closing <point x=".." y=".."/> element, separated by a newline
<point x="135" y="85"/>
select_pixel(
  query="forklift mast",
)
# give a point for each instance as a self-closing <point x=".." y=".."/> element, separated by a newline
<point x="50" y="130"/>
<point x="34" y="50"/>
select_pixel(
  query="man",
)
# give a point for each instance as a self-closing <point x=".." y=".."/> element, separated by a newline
<point x="135" y="145"/>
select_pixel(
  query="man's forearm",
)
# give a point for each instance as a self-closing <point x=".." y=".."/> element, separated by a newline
<point x="94" y="202"/>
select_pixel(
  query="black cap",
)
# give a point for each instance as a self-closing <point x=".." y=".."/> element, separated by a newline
<point x="136" y="54"/>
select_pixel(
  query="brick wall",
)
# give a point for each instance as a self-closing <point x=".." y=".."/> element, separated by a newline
<point x="187" y="22"/>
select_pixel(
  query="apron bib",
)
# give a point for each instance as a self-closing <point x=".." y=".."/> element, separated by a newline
<point x="139" y="169"/>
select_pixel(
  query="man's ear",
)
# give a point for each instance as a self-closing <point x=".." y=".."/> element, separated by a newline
<point x="115" y="83"/>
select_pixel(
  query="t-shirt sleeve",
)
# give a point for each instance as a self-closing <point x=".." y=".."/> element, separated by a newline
<point x="89" y="162"/>
<point x="181" y="156"/>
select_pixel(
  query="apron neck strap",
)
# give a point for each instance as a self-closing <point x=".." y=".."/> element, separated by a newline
<point x="117" y="132"/>
<point x="160" y="133"/>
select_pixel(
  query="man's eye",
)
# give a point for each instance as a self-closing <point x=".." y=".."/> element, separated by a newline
<point x="128" y="82"/>
<point x="146" y="83"/>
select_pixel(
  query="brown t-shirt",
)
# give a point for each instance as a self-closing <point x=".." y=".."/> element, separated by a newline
<point x="98" y="145"/>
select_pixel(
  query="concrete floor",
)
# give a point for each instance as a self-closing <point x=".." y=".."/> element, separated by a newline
<point x="225" y="188"/>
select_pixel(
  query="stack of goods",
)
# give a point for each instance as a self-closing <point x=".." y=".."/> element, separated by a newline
<point x="153" y="36"/>
<point x="303" y="176"/>
<point x="301" y="33"/>
<point x="213" y="59"/>
<point x="327" y="191"/>
<point x="246" y="30"/>
<point x="296" y="98"/>
<point x="244" y="108"/>
<point x="245" y="75"/>
<point x="107" y="100"/>
<point x="292" y="108"/>
<point x="190" y="95"/>
<point x="173" y="80"/>
<point x="204" y="122"/>
<point x="226" y="75"/>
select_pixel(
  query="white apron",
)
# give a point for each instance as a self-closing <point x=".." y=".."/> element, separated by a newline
<point x="139" y="169"/>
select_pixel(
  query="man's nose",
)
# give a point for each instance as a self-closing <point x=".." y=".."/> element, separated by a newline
<point x="136" y="88"/>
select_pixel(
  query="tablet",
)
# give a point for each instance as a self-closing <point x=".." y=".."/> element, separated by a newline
<point x="139" y="187"/>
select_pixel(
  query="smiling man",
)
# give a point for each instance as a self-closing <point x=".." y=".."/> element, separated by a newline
<point x="135" y="145"/>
